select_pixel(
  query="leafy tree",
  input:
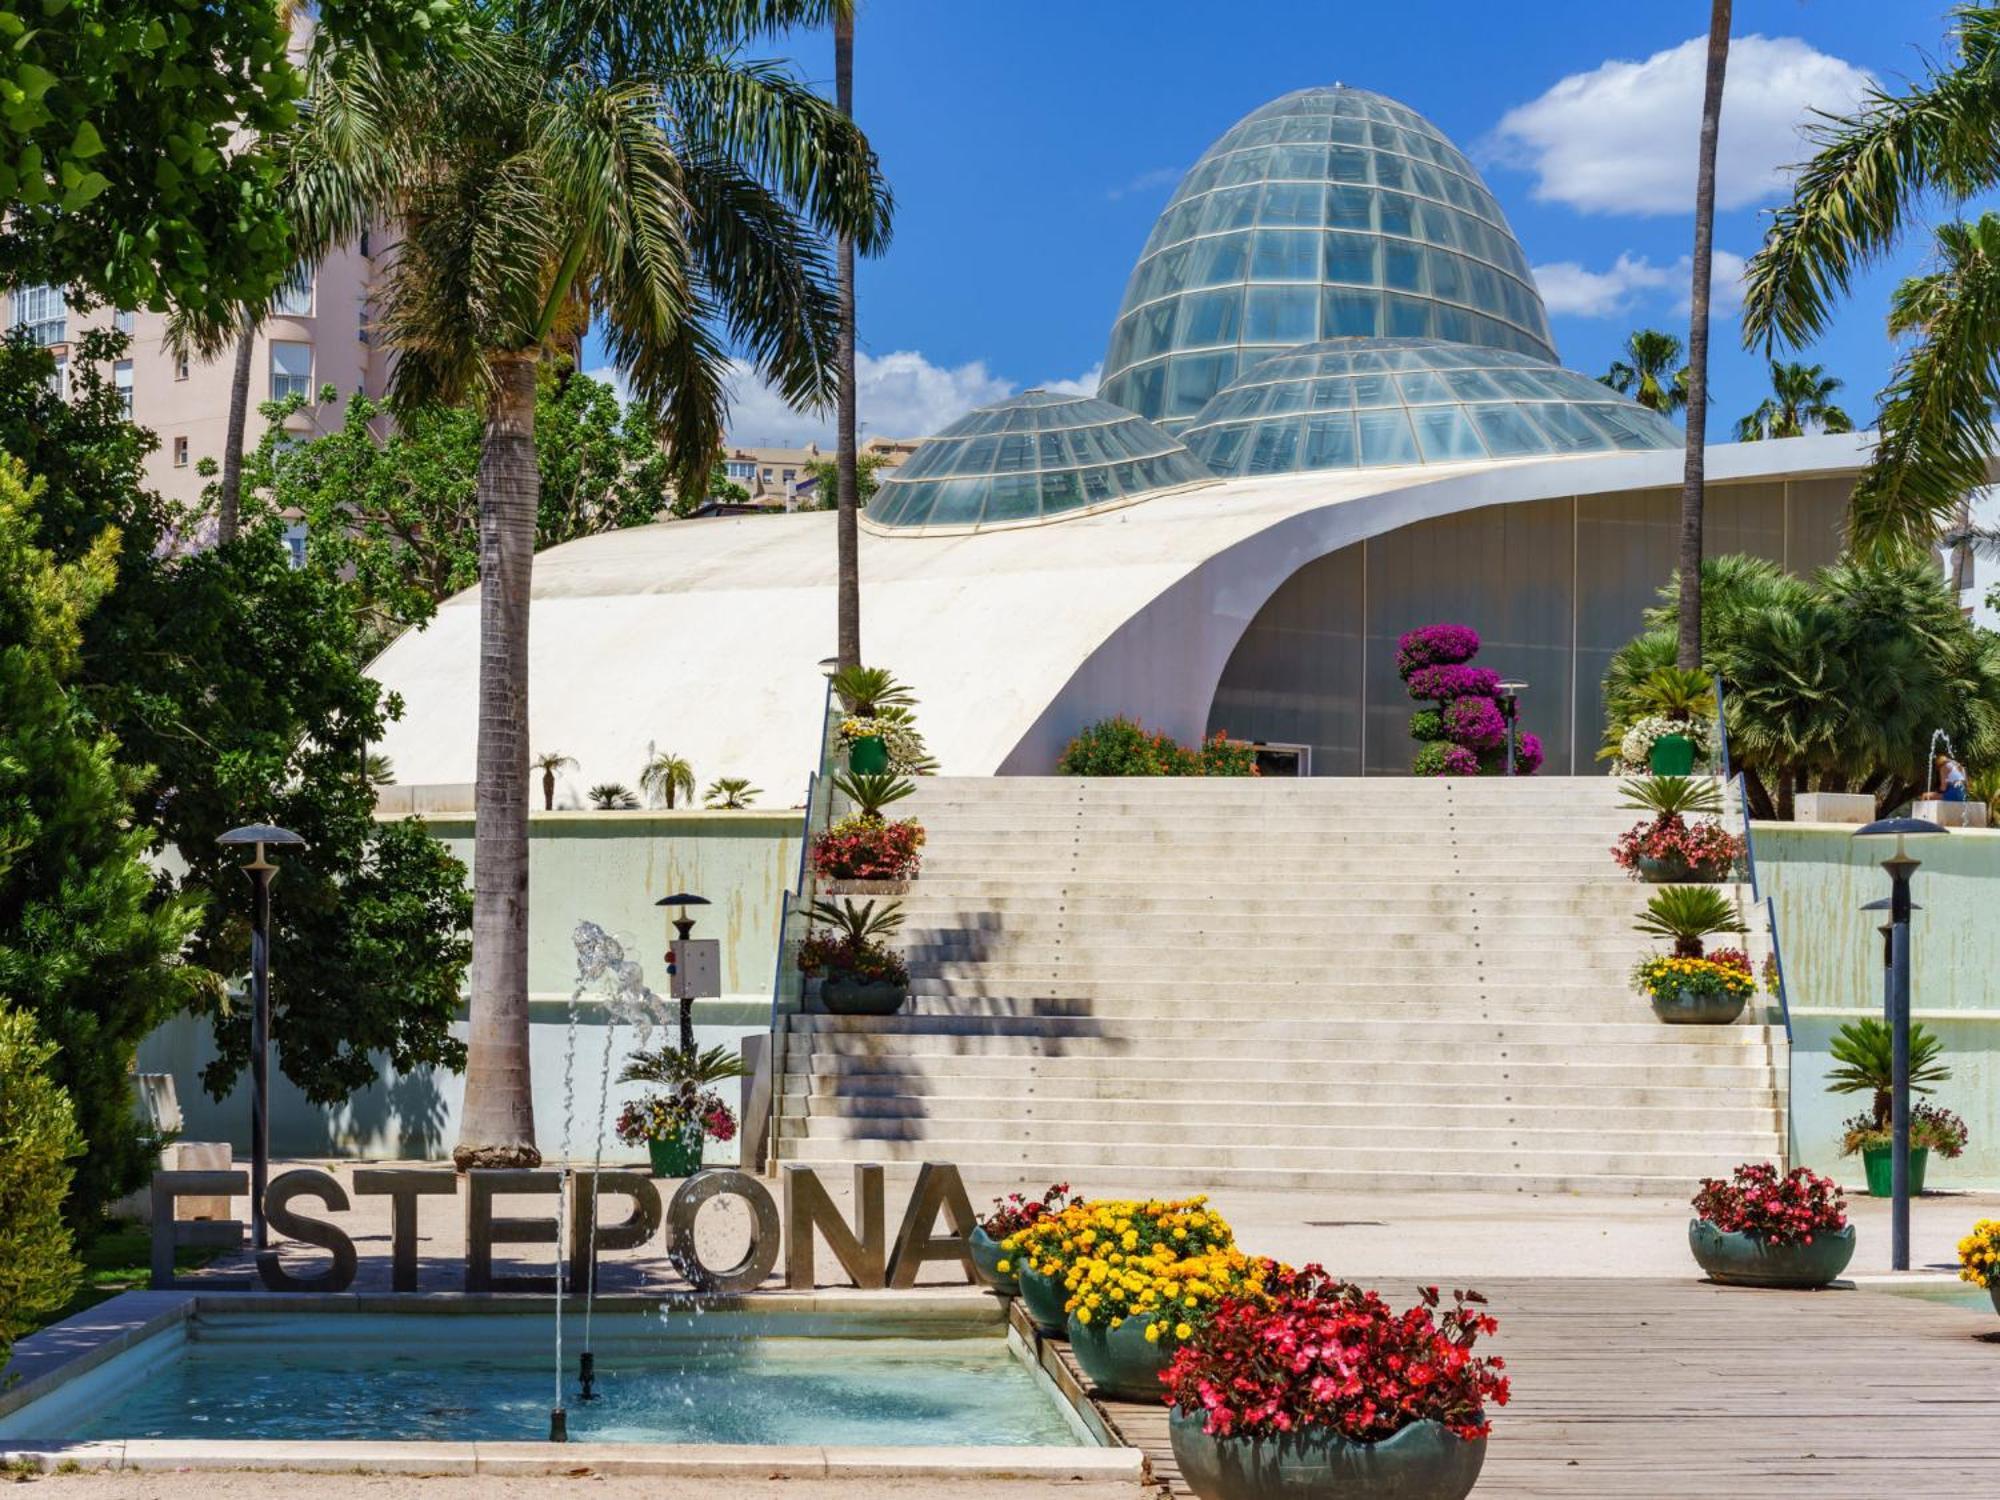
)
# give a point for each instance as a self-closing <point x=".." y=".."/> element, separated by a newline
<point x="240" y="679"/>
<point x="38" y="1138"/>
<point x="1652" y="371"/>
<point x="86" y="950"/>
<point x="667" y="776"/>
<point x="566" y="164"/>
<point x="1801" y="401"/>
<point x="826" y="480"/>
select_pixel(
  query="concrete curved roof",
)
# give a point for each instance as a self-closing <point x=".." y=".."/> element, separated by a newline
<point x="704" y="637"/>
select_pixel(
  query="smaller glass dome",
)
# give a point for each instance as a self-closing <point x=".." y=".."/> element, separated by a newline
<point x="1366" y="403"/>
<point x="1031" y="458"/>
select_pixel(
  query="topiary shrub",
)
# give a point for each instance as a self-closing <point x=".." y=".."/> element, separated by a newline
<point x="38" y="1267"/>
<point x="1426" y="724"/>
<point x="1463" y="732"/>
<point x="1120" y="746"/>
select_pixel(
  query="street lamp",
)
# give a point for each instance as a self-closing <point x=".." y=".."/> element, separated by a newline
<point x="1900" y="867"/>
<point x="1510" y="708"/>
<point x="682" y="958"/>
<point x="261" y="872"/>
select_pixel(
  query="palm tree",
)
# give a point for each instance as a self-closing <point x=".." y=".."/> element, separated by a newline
<point x="1799" y="403"/>
<point x="1652" y="372"/>
<point x="568" y="163"/>
<point x="612" y="796"/>
<point x="731" y="793"/>
<point x="1687" y="653"/>
<point x="548" y="764"/>
<point x="1873" y="171"/>
<point x="847" y="488"/>
<point x="667" y="776"/>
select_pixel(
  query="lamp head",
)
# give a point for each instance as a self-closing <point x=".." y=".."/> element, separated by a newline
<point x="1899" y="829"/>
<point x="258" y="835"/>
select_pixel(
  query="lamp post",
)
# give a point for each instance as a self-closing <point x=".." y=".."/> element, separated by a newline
<point x="677" y="953"/>
<point x="261" y="872"/>
<point x="1510" y="709"/>
<point x="1900" y="867"/>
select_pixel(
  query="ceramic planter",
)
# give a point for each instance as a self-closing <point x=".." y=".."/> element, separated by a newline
<point x="1737" y="1259"/>
<point x="1666" y="872"/>
<point x="867" y="887"/>
<point x="1993" y="1291"/>
<point x="1671" y="755"/>
<point x="1422" y="1462"/>
<point x="1043" y="1297"/>
<point x="1698" y="1008"/>
<point x="986" y="1258"/>
<point x="1121" y="1361"/>
<point x="868" y="756"/>
<point x="676" y="1156"/>
<point x="1880" y="1163"/>
<point x="843" y="995"/>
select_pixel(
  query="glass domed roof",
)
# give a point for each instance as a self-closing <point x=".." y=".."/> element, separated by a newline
<point x="1363" y="403"/>
<point x="1030" y="458"/>
<point x="1330" y="212"/>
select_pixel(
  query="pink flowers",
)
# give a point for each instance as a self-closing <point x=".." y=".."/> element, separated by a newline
<point x="1445" y="683"/>
<point x="1705" y="849"/>
<point x="1786" y="1210"/>
<point x="1475" y="723"/>
<point x="1435" y="645"/>
<point x="865" y="848"/>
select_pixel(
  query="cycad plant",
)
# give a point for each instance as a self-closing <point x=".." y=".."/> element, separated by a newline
<point x="1864" y="1063"/>
<point x="859" y="925"/>
<point x="730" y="793"/>
<point x="1676" y="693"/>
<point x="612" y="796"/>
<point x="1686" y="914"/>
<point x="667" y="776"/>
<point x="1672" y="796"/>
<point x="870" y="794"/>
<point x="866" y="691"/>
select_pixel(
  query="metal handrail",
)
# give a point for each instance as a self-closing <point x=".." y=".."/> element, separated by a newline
<point x="1778" y="963"/>
<point x="1721" y="728"/>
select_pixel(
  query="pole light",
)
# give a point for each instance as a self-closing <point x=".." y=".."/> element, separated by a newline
<point x="1510" y="710"/>
<point x="1900" y="867"/>
<point x="261" y="872"/>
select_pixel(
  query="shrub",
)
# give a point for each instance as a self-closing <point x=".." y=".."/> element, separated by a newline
<point x="868" y="848"/>
<point x="670" y="1116"/>
<point x="1708" y="850"/>
<point x="1687" y="914"/>
<point x="1435" y="645"/>
<point x="1464" y="732"/>
<point x="1426" y="724"/>
<point x="1119" y="746"/>
<point x="1932" y="1128"/>
<point x="38" y="1136"/>
<point x="1221" y="756"/>
<point x="1659" y="977"/>
<point x="1863" y="1055"/>
<point x="1788" y="1210"/>
<point x="1475" y="723"/>
<point x="1443" y="684"/>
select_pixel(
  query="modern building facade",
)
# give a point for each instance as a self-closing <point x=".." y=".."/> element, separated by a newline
<point x="782" y="478"/>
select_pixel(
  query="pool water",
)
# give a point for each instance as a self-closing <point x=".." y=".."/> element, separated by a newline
<point x="1951" y="1294"/>
<point x="369" y="1378"/>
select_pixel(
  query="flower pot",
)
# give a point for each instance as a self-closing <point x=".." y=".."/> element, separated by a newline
<point x="1671" y="755"/>
<point x="1993" y="1291"/>
<point x="868" y="755"/>
<point x="1668" y="872"/>
<point x="676" y="1156"/>
<point x="835" y="887"/>
<point x="846" y="996"/>
<point x="986" y="1258"/>
<point x="1422" y="1462"/>
<point x="1043" y="1297"/>
<point x="1698" y="1008"/>
<point x="1121" y="1361"/>
<point x="1737" y="1259"/>
<point x="1880" y="1162"/>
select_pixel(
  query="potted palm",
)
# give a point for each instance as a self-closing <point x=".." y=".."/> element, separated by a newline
<point x="1680" y="696"/>
<point x="859" y="974"/>
<point x="1760" y="1229"/>
<point x="872" y="697"/>
<point x="865" y="853"/>
<point x="1863" y="1064"/>
<point x="674" y="1121"/>
<point x="1667" y="848"/>
<point x="1686" y="987"/>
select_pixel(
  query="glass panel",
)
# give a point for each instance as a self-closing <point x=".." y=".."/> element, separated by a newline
<point x="1010" y="497"/>
<point x="1473" y="385"/>
<point x="1221" y="447"/>
<point x="1196" y="377"/>
<point x="978" y="455"/>
<point x="1453" y="323"/>
<point x="1398" y="214"/>
<point x="1350" y="208"/>
<point x="1445" y="434"/>
<point x="1391" y="171"/>
<point x="1350" y="260"/>
<point x="1210" y="318"/>
<point x="1281" y="315"/>
<point x="1349" y="314"/>
<point x="1292" y="203"/>
<point x="1275" y="449"/>
<point x="1376" y="390"/>
<point x="1506" y="431"/>
<point x="1386" y="437"/>
<point x="1060" y="492"/>
<point x="1304" y="128"/>
<point x="1219" y="260"/>
<point x="1051" y="452"/>
<point x="1330" y="441"/>
<point x="1424" y="388"/>
<point x="1017" y="451"/>
<point x="1286" y="397"/>
<point x="1097" y="486"/>
<point x="1347" y="164"/>
<point x="1301" y="164"/>
<point x="1155" y="333"/>
<point x="1407" y="318"/>
<point x="1232" y="208"/>
<point x="1245" y="166"/>
<point x="1402" y="266"/>
<point x="1286" y="255"/>
<point x="1568" y="433"/>
<point x="1334" y="393"/>
<point x="1147" y="388"/>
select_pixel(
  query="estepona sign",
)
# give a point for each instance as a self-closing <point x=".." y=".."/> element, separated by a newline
<point x="861" y="1247"/>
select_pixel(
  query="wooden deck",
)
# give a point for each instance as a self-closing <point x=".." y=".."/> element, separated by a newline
<point x="1628" y="1390"/>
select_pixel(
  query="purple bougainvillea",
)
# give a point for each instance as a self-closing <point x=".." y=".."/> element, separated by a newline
<point x="1435" y="645"/>
<point x="1461" y="729"/>
<point x="1527" y="754"/>
<point x="1459" y="761"/>
<point x="1443" y="684"/>
<point x="1475" y="723"/>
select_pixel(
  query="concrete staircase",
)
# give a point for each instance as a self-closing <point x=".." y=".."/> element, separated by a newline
<point x="1331" y="983"/>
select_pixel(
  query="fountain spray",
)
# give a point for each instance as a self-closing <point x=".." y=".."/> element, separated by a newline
<point x="558" y="1417"/>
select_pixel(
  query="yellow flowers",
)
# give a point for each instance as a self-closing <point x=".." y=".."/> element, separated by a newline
<point x="1003" y="1265"/>
<point x="1979" y="1254"/>
<point x="1117" y="1232"/>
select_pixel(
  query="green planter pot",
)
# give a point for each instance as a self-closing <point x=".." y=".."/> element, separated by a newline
<point x="1994" y="1292"/>
<point x="1422" y="1462"/>
<point x="676" y="1157"/>
<point x="1043" y="1297"/>
<point x="1880" y="1162"/>
<point x="1693" y="1008"/>
<point x="1671" y="755"/>
<point x="843" y="996"/>
<point x="1121" y="1361"/>
<point x="868" y="756"/>
<point x="1738" y="1259"/>
<point x="1667" y="872"/>
<point x="986" y="1258"/>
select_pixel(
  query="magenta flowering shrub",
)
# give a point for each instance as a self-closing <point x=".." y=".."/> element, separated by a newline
<point x="1475" y="723"/>
<point x="1435" y="645"/>
<point x="1786" y="1210"/>
<point x="1446" y="683"/>
<point x="1463" y="731"/>
<point x="1527" y="754"/>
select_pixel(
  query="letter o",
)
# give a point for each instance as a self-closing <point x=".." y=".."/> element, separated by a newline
<point x="765" y="1233"/>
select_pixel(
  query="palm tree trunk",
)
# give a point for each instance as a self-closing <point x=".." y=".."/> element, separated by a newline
<point x="229" y="506"/>
<point x="846" y="488"/>
<point x="1693" y="477"/>
<point x="498" y="1125"/>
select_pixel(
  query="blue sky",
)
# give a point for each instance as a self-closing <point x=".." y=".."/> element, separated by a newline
<point x="1031" y="144"/>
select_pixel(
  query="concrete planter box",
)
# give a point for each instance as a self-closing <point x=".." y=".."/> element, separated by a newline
<point x="1950" y="814"/>
<point x="1121" y="1361"/>
<point x="1422" y="1462"/>
<point x="1833" y="807"/>
<point x="1737" y="1259"/>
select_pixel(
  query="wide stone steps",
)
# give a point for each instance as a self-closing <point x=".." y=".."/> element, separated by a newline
<point x="1358" y="1003"/>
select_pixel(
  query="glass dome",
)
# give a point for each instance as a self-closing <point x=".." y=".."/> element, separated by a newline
<point x="1030" y="458"/>
<point x="1330" y="212"/>
<point x="1364" y="403"/>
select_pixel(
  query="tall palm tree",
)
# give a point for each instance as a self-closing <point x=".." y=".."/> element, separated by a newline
<point x="1652" y="372"/>
<point x="1687" y="652"/>
<point x="1873" y="172"/>
<point x="667" y="776"/>
<point x="847" y="488"/>
<point x="570" y="162"/>
<point x="1800" y="402"/>
<point x="548" y="763"/>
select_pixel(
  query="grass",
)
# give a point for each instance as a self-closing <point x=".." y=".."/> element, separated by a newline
<point x="119" y="1260"/>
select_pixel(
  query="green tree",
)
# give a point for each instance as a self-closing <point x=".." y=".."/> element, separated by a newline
<point x="38" y="1138"/>
<point x="826" y="478"/>
<point x="85" y="948"/>
<point x="1651" y="372"/>
<point x="1872" y="175"/>
<point x="1801" y="401"/>
<point x="667" y="776"/>
<point x="569" y="164"/>
<point x="240" y="679"/>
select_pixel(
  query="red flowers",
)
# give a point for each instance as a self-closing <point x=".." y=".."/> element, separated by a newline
<point x="1708" y="850"/>
<point x="1328" y="1354"/>
<point x="1788" y="1210"/>
<point x="1017" y="1211"/>
<point x="863" y="848"/>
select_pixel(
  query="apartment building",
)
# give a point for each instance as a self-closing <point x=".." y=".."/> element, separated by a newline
<point x="775" y="476"/>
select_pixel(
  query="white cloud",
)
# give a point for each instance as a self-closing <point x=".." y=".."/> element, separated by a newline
<point x="1622" y="137"/>
<point x="1085" y="384"/>
<point x="1146" y="182"/>
<point x="1633" y="280"/>
<point x="896" y="395"/>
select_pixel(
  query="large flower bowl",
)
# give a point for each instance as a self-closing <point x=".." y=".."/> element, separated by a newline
<point x="1121" y="1361"/>
<point x="1697" y="1007"/>
<point x="1422" y="1462"/>
<point x="1734" y="1258"/>
<point x="986" y="1258"/>
<point x="1044" y="1298"/>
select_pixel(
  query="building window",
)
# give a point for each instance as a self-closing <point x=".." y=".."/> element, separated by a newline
<point x="43" y="313"/>
<point x="180" y="453"/>
<point x="122" y="320"/>
<point x="294" y="299"/>
<point x="291" y="370"/>
<point x="121" y="382"/>
<point x="180" y="367"/>
<point x="59" y="378"/>
<point x="295" y="543"/>
<point x="790" y="475"/>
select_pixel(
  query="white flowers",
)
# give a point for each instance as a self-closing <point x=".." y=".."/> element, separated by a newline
<point x="1636" y="748"/>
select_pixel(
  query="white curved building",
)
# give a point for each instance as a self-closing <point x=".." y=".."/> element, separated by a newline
<point x="1350" y="428"/>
